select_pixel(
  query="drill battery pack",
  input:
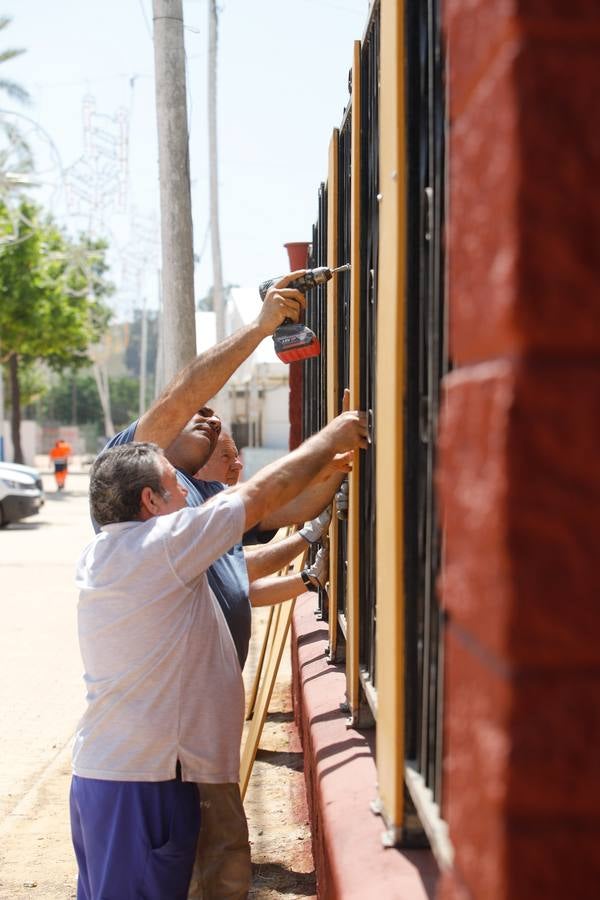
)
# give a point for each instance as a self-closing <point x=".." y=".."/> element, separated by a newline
<point x="295" y="342"/>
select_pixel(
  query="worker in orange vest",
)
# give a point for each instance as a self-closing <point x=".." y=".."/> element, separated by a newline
<point x="59" y="455"/>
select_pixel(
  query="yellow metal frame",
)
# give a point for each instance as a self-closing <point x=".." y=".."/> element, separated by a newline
<point x="333" y="391"/>
<point x="352" y="636"/>
<point x="390" y="420"/>
<point x="274" y="643"/>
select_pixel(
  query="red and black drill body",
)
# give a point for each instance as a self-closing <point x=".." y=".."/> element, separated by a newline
<point x="294" y="340"/>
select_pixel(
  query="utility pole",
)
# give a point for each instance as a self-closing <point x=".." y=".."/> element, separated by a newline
<point x="215" y="237"/>
<point x="159" y="380"/>
<point x="179" y="323"/>
<point x="143" y="356"/>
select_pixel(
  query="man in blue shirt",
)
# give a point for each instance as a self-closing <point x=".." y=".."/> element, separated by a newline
<point x="230" y="576"/>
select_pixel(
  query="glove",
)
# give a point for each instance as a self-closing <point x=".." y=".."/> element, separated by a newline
<point x="316" y="576"/>
<point x="341" y="500"/>
<point x="314" y="530"/>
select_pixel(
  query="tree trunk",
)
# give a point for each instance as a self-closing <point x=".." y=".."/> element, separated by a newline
<point x="15" y="407"/>
<point x="215" y="237"/>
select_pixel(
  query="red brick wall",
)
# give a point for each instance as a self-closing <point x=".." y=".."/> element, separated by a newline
<point x="520" y="451"/>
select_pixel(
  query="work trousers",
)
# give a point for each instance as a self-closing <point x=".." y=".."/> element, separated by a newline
<point x="222" y="870"/>
<point x="134" y="840"/>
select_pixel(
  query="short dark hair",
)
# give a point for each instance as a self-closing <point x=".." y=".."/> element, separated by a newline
<point x="118" y="478"/>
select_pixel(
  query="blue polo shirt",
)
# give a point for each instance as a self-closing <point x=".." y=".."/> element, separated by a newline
<point x="227" y="576"/>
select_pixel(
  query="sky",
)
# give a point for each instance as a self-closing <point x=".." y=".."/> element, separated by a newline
<point x="282" y="87"/>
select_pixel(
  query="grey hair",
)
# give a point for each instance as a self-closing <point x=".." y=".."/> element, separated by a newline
<point x="118" y="477"/>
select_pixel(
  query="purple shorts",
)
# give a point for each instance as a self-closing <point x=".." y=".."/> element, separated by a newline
<point x="134" y="839"/>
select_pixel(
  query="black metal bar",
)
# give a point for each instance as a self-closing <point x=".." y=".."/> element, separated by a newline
<point x="343" y="323"/>
<point x="369" y="244"/>
<point x="425" y="366"/>
<point x="315" y="368"/>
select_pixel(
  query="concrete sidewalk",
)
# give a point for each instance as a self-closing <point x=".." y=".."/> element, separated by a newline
<point x="42" y="698"/>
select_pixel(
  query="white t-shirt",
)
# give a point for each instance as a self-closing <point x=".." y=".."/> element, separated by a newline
<point x="161" y="669"/>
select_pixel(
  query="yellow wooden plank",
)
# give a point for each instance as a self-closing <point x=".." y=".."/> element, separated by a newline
<point x="267" y="639"/>
<point x="352" y="670"/>
<point x="282" y="618"/>
<point x="390" y="427"/>
<point x="333" y="387"/>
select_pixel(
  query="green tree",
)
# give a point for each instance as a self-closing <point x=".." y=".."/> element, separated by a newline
<point x="74" y="398"/>
<point x="51" y="300"/>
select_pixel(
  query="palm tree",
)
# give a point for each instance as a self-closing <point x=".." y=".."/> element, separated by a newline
<point x="16" y="146"/>
<point x="14" y="90"/>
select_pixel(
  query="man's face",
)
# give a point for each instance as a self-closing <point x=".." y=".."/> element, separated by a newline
<point x="191" y="449"/>
<point x="175" y="498"/>
<point x="225" y="464"/>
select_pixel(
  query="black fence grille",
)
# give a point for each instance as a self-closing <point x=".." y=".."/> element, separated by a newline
<point x="425" y="367"/>
<point x="425" y="363"/>
<point x="315" y="368"/>
<point x="369" y="244"/>
<point x="343" y="323"/>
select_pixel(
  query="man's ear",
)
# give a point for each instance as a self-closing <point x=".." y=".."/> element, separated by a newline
<point x="148" y="504"/>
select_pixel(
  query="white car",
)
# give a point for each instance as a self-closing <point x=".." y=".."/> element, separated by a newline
<point x="21" y="492"/>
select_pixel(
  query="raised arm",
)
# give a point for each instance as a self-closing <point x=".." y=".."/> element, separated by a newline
<point x="316" y="495"/>
<point x="282" y="481"/>
<point x="205" y="376"/>
<point x="309" y="502"/>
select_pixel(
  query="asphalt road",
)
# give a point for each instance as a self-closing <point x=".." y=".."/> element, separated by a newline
<point x="41" y="692"/>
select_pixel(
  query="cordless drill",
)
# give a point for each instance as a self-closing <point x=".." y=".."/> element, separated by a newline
<point x="294" y="340"/>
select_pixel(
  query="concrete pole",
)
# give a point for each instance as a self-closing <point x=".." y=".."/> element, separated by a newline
<point x="179" y="324"/>
<point x="143" y="357"/>
<point x="159" y="380"/>
<point x="213" y="161"/>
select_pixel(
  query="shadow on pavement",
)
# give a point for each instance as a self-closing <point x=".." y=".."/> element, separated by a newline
<point x="277" y="878"/>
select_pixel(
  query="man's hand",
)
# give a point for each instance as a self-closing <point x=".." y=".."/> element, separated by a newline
<point x="313" y="530"/>
<point x="348" y="431"/>
<point x="318" y="573"/>
<point x="341" y="500"/>
<point x="341" y="462"/>
<point x="281" y="303"/>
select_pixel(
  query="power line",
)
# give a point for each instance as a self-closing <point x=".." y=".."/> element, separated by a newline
<point x="146" y="22"/>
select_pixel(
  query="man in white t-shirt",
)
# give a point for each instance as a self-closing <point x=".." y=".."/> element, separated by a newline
<point x="164" y="687"/>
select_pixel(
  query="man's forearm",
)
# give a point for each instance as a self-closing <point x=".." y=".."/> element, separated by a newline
<point x="267" y="558"/>
<point x="281" y="481"/>
<point x="195" y="385"/>
<point x="275" y="589"/>
<point x="308" y="504"/>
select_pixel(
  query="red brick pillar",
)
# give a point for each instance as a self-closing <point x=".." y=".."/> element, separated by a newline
<point x="298" y="257"/>
<point x="520" y="451"/>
